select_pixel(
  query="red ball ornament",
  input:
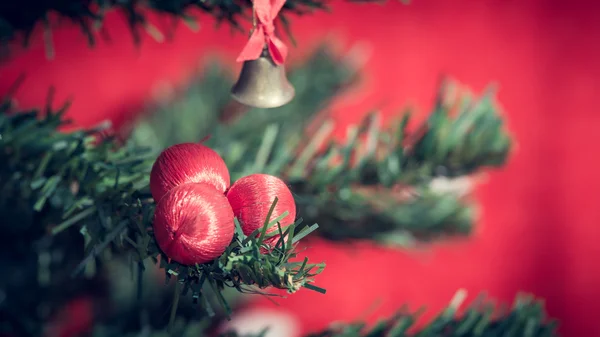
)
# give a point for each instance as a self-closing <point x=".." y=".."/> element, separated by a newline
<point x="193" y="223"/>
<point x="251" y="198"/>
<point x="187" y="163"/>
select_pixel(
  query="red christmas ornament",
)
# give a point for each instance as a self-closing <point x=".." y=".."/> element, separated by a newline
<point x="251" y="198"/>
<point x="193" y="223"/>
<point x="187" y="163"/>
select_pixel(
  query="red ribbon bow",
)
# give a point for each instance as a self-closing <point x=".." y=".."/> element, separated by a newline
<point x="264" y="33"/>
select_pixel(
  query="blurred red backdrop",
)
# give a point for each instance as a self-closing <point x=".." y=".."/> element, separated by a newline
<point x="539" y="228"/>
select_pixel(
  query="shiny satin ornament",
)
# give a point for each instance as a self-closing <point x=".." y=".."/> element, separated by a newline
<point x="263" y="84"/>
<point x="193" y="223"/>
<point x="251" y="198"/>
<point x="187" y="163"/>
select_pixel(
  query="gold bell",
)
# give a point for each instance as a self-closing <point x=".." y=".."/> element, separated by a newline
<point x="263" y="84"/>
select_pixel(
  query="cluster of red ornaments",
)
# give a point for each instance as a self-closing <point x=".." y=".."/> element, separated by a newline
<point x="194" y="216"/>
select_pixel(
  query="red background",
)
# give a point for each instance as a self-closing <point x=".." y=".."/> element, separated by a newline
<point x="539" y="228"/>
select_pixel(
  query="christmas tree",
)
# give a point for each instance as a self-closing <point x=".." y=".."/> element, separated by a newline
<point x="78" y="211"/>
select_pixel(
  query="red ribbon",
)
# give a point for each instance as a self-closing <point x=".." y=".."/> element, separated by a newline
<point x="264" y="33"/>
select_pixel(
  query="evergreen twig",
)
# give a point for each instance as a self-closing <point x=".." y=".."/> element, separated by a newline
<point x="526" y="318"/>
<point x="84" y="181"/>
<point x="19" y="19"/>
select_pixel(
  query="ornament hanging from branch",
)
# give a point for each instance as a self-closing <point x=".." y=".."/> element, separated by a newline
<point x="195" y="205"/>
<point x="193" y="220"/>
<point x="263" y="82"/>
<point x="193" y="223"/>
<point x="188" y="163"/>
<point x="251" y="198"/>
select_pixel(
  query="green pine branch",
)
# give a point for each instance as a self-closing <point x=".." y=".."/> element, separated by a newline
<point x="379" y="183"/>
<point x="526" y="318"/>
<point x="85" y="183"/>
<point x="19" y="19"/>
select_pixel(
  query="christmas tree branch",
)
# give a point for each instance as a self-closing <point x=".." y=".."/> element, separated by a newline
<point x="526" y="318"/>
<point x="85" y="182"/>
<point x="19" y="19"/>
<point x="384" y="182"/>
<point x="23" y="17"/>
